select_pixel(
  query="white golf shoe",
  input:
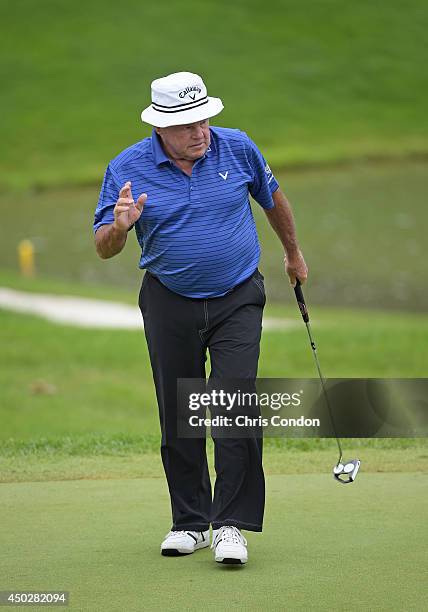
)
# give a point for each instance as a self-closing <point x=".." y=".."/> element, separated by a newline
<point x="229" y="545"/>
<point x="178" y="543"/>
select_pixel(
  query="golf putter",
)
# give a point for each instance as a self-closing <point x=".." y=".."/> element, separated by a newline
<point x="342" y="472"/>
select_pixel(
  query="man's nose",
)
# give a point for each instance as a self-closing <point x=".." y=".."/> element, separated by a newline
<point x="198" y="133"/>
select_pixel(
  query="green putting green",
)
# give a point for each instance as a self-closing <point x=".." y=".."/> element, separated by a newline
<point x="324" y="546"/>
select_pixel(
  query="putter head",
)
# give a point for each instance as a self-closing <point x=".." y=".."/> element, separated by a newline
<point x="347" y="472"/>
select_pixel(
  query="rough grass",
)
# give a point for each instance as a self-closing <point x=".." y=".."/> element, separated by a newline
<point x="60" y="380"/>
<point x="80" y="403"/>
<point x="361" y="229"/>
<point x="96" y="457"/>
<point x="311" y="82"/>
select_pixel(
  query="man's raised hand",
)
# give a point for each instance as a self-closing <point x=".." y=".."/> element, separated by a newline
<point x="127" y="212"/>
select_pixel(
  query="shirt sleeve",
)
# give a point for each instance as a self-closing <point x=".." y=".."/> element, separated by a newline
<point x="109" y="195"/>
<point x="264" y="184"/>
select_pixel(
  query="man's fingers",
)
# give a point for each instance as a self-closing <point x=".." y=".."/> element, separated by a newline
<point x="125" y="204"/>
<point x="141" y="201"/>
<point x="125" y="201"/>
<point x="294" y="274"/>
<point x="125" y="192"/>
<point x="296" y="268"/>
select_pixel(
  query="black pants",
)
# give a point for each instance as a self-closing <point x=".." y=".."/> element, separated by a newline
<point x="179" y="330"/>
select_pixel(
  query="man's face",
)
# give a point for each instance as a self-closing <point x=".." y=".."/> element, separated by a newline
<point x="186" y="141"/>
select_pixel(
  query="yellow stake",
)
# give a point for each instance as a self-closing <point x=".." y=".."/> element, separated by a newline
<point x="26" y="257"/>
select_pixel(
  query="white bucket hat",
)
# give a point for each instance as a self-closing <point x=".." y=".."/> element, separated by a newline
<point x="178" y="99"/>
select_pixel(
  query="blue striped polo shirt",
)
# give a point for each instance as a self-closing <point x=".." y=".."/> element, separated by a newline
<point x="197" y="233"/>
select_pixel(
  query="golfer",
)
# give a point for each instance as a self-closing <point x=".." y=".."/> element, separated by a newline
<point x="186" y="191"/>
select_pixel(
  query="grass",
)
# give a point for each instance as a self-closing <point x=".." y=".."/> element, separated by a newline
<point x="100" y="541"/>
<point x="341" y="82"/>
<point x="50" y="284"/>
<point x="103" y="457"/>
<point x="60" y="380"/>
<point x="312" y="82"/>
<point x="69" y="411"/>
<point x="361" y="229"/>
<point x="84" y="503"/>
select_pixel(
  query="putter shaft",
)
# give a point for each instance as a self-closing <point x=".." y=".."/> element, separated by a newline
<point x="305" y="316"/>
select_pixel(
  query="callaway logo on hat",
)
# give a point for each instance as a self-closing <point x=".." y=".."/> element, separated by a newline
<point x="178" y="99"/>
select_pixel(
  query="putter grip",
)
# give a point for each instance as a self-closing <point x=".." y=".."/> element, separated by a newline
<point x="301" y="301"/>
